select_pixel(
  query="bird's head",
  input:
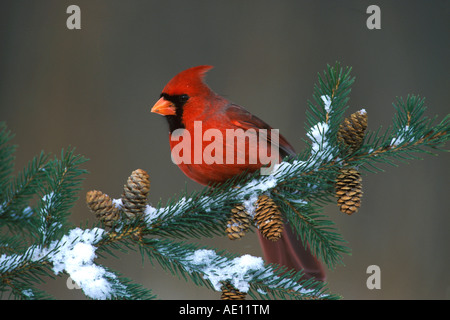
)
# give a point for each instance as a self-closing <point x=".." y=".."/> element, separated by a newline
<point x="187" y="86"/>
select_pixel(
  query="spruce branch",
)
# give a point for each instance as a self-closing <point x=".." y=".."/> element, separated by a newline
<point x="412" y="133"/>
<point x="330" y="97"/>
<point x="58" y="194"/>
<point x="17" y="193"/>
<point x="248" y="274"/>
<point x="6" y="155"/>
<point x="203" y="266"/>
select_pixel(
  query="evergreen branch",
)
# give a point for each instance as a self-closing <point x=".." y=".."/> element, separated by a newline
<point x="15" y="211"/>
<point x="289" y="285"/>
<point x="315" y="231"/>
<point x="73" y="254"/>
<point x="21" y="272"/>
<point x="11" y="243"/>
<point x="173" y="257"/>
<point x="58" y="194"/>
<point x="206" y="267"/>
<point x="176" y="219"/>
<point x="125" y="289"/>
<point x="412" y="133"/>
<point x="6" y="155"/>
<point x="333" y="88"/>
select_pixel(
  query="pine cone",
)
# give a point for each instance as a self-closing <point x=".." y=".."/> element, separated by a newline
<point x="352" y="130"/>
<point x="231" y="293"/>
<point x="348" y="190"/>
<point x="103" y="208"/>
<point x="134" y="198"/>
<point x="268" y="218"/>
<point x="239" y="223"/>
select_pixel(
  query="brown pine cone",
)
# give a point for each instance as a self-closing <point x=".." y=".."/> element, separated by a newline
<point x="238" y="224"/>
<point x="268" y="218"/>
<point x="103" y="208"/>
<point x="231" y="293"/>
<point x="135" y="193"/>
<point x="348" y="190"/>
<point x="352" y="130"/>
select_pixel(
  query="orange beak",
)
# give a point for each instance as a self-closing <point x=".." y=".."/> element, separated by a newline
<point x="164" y="107"/>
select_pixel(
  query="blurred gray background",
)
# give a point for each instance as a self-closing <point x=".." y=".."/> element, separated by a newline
<point x="93" y="89"/>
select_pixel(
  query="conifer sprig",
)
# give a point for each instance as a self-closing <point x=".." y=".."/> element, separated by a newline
<point x="17" y="193"/>
<point x="58" y="193"/>
<point x="208" y="268"/>
<point x="6" y="155"/>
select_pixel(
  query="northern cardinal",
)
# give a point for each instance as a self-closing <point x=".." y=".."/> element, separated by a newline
<point x="187" y="102"/>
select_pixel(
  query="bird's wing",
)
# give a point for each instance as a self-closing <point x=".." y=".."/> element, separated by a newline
<point x="241" y="118"/>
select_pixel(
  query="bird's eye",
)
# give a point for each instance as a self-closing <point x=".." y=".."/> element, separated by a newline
<point x="184" y="98"/>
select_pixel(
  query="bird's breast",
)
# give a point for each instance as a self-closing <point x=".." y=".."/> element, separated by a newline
<point x="214" y="154"/>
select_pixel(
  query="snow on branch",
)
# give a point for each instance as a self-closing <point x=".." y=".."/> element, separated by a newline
<point x="74" y="254"/>
<point x="246" y="273"/>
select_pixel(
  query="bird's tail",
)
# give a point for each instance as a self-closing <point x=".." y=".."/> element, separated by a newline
<point x="290" y="252"/>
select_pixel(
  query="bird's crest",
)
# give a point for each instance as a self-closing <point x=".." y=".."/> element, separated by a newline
<point x="189" y="81"/>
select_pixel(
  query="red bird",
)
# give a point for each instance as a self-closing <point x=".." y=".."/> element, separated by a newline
<point x="189" y="104"/>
